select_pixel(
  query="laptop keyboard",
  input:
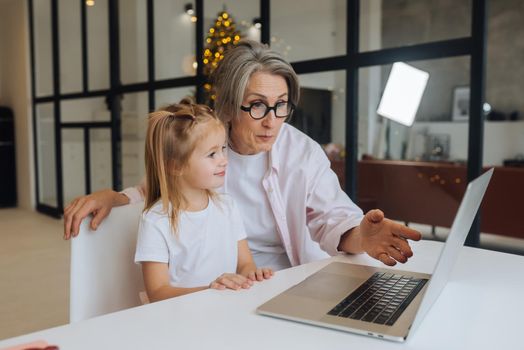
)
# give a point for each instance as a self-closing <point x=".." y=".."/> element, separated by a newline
<point x="381" y="299"/>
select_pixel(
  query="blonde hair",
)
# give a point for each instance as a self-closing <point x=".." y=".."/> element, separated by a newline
<point x="232" y="75"/>
<point x="172" y="135"/>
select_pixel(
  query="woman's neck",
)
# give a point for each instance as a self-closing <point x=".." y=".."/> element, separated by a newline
<point x="241" y="150"/>
<point x="239" y="147"/>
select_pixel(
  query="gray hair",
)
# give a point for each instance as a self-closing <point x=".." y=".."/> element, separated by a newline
<point x="232" y="75"/>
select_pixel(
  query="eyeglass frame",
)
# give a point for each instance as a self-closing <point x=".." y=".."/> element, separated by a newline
<point x="268" y="109"/>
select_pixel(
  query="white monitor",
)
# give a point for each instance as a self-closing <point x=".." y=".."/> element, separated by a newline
<point x="403" y="93"/>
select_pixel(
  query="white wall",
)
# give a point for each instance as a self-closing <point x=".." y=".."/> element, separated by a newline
<point x="502" y="140"/>
<point x="15" y="91"/>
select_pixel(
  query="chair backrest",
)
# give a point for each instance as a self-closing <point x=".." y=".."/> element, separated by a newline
<point x="104" y="277"/>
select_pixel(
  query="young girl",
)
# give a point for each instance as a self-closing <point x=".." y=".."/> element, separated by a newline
<point x="190" y="238"/>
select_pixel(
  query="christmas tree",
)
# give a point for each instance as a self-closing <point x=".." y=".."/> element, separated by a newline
<point x="222" y="36"/>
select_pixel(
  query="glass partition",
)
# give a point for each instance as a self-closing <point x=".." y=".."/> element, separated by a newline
<point x="46" y="154"/>
<point x="43" y="48"/>
<point x="504" y="129"/>
<point x="165" y="97"/>
<point x="98" y="45"/>
<point x="85" y="110"/>
<point x="69" y="26"/>
<point x="397" y="23"/>
<point x="321" y="114"/>
<point x="308" y="29"/>
<point x="73" y="164"/>
<point x="439" y="132"/>
<point x="134" y="128"/>
<point x="100" y="158"/>
<point x="244" y="13"/>
<point x="133" y="41"/>
<point x="418" y="174"/>
<point x="174" y="39"/>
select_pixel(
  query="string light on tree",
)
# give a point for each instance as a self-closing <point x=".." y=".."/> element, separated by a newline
<point x="222" y="36"/>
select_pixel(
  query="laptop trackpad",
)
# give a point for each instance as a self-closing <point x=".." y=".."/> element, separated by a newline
<point x="326" y="286"/>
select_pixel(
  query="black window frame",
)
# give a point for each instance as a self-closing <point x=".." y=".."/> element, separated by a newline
<point x="473" y="46"/>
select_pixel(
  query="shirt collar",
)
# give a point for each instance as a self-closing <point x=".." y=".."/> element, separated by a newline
<point x="274" y="154"/>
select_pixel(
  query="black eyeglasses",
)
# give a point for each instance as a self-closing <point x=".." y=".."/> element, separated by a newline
<point x="259" y="110"/>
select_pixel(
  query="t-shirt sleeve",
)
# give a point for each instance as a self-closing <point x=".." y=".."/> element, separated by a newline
<point x="151" y="243"/>
<point x="237" y="222"/>
<point x="137" y="193"/>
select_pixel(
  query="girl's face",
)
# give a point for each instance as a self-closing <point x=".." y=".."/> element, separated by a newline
<point x="206" y="168"/>
<point x="250" y="136"/>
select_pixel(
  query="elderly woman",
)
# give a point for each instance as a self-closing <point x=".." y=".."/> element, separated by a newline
<point x="291" y="202"/>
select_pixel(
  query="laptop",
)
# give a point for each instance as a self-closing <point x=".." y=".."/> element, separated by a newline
<point x="378" y="302"/>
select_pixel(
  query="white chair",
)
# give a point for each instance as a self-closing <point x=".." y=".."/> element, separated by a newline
<point x="104" y="277"/>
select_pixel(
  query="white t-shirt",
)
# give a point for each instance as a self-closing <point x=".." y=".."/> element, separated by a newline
<point x="245" y="174"/>
<point x="206" y="246"/>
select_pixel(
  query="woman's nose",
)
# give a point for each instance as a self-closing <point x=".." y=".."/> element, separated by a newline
<point x="269" y="119"/>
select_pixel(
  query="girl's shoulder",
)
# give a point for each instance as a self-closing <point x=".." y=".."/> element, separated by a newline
<point x="155" y="213"/>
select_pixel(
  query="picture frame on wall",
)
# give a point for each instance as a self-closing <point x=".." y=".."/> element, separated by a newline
<point x="460" y="107"/>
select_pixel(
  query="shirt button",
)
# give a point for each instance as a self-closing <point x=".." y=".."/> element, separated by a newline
<point x="270" y="190"/>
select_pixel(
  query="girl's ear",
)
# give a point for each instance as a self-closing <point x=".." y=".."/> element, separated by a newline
<point x="175" y="170"/>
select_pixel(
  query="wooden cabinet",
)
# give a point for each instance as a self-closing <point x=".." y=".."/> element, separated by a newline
<point x="430" y="193"/>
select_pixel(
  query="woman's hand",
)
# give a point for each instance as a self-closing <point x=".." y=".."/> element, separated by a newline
<point x="386" y="240"/>
<point x="99" y="204"/>
<point x="260" y="274"/>
<point x="231" y="281"/>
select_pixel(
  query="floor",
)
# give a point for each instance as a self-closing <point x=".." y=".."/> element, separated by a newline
<point x="34" y="273"/>
<point x="34" y="269"/>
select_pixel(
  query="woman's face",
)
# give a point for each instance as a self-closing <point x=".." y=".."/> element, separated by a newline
<point x="250" y="136"/>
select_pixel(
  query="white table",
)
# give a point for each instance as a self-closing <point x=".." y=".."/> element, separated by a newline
<point x="480" y="308"/>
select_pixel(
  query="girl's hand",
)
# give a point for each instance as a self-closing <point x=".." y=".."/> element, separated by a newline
<point x="231" y="281"/>
<point x="260" y="274"/>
